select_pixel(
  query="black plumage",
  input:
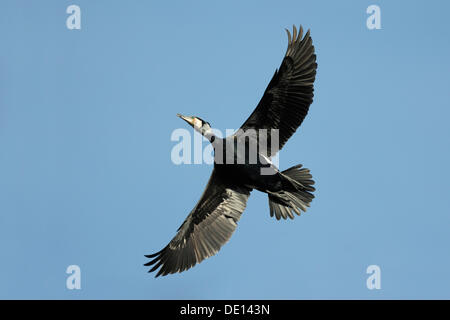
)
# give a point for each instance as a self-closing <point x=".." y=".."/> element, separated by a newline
<point x="209" y="225"/>
<point x="213" y="220"/>
<point x="289" y="94"/>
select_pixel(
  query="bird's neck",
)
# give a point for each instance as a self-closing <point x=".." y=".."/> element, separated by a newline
<point x="210" y="136"/>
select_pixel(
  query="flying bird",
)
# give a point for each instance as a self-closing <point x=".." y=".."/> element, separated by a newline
<point x="277" y="116"/>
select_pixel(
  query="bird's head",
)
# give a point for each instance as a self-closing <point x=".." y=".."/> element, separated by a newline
<point x="201" y="126"/>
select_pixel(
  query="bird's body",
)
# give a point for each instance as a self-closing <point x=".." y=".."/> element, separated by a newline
<point x="242" y="163"/>
<point x="240" y="166"/>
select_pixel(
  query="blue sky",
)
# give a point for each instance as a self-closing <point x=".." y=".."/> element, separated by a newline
<point x="86" y="176"/>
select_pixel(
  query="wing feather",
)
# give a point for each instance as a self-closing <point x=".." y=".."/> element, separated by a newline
<point x="205" y="230"/>
<point x="290" y="92"/>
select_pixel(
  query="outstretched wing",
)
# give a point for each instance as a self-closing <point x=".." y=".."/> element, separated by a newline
<point x="209" y="226"/>
<point x="289" y="94"/>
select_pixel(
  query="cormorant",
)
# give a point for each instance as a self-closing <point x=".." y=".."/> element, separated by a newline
<point x="280" y="112"/>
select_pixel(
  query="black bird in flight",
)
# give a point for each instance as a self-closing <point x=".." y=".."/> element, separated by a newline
<point x="280" y="112"/>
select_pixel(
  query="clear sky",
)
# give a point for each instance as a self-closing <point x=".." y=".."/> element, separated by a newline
<point x="86" y="176"/>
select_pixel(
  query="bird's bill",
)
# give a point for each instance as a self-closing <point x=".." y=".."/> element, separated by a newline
<point x="190" y="120"/>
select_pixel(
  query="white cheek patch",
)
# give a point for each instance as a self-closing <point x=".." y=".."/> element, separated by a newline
<point x="197" y="123"/>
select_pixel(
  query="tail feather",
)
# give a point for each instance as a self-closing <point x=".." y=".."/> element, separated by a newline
<point x="295" y="196"/>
